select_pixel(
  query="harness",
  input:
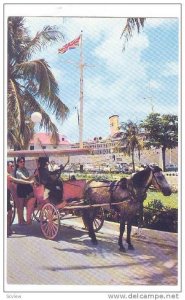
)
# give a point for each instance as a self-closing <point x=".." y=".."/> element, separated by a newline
<point x="112" y="189"/>
<point x="132" y="191"/>
<point x="156" y="180"/>
<point x="141" y="195"/>
<point x="130" y="187"/>
<point x="135" y="193"/>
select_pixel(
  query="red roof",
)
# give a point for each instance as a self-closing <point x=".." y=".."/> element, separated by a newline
<point x="45" y="139"/>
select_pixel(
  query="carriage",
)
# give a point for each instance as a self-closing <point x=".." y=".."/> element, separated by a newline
<point x="88" y="199"/>
<point x="48" y="214"/>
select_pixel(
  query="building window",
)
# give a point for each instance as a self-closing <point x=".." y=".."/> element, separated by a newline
<point x="31" y="147"/>
<point x="43" y="147"/>
<point x="63" y="139"/>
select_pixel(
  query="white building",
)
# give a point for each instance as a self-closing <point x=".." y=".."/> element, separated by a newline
<point x="44" y="141"/>
<point x="103" y="149"/>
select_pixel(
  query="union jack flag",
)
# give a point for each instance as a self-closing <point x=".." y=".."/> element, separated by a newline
<point x="71" y="45"/>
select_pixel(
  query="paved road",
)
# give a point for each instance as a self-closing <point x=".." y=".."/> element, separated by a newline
<point x="73" y="260"/>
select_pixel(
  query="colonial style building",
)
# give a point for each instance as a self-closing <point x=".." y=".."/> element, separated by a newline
<point x="103" y="150"/>
<point x="44" y="141"/>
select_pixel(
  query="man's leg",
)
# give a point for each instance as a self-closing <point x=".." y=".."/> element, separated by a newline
<point x="29" y="209"/>
<point x="9" y="221"/>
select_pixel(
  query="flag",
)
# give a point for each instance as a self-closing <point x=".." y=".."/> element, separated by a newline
<point x="71" y="45"/>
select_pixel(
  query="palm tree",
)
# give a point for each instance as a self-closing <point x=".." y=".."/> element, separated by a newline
<point x="131" y="24"/>
<point x="131" y="140"/>
<point x="31" y="84"/>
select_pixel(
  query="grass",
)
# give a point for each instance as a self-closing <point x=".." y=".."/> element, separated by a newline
<point x="96" y="176"/>
<point x="169" y="201"/>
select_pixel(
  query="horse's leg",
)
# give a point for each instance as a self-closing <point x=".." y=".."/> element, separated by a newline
<point x="121" y="232"/>
<point x="88" y="220"/>
<point x="129" y="228"/>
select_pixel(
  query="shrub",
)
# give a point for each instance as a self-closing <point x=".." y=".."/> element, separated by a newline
<point x="155" y="204"/>
<point x="159" y="217"/>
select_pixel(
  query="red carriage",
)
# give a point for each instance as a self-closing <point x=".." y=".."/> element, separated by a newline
<point x="49" y="214"/>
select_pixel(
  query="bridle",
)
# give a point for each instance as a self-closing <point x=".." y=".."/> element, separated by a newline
<point x="156" y="181"/>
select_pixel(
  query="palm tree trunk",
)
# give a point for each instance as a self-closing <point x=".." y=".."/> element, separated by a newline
<point x="133" y="163"/>
<point x="164" y="158"/>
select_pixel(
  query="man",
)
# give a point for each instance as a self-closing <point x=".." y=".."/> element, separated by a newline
<point x="49" y="181"/>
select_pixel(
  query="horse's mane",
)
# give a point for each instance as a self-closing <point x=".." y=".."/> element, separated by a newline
<point x="156" y="169"/>
<point x="139" y="179"/>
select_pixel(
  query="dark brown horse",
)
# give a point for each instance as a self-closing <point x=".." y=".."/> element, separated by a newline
<point x="130" y="193"/>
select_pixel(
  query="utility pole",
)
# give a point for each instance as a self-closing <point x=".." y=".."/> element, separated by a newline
<point x="81" y="96"/>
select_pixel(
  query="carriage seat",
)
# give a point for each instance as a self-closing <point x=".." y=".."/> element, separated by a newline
<point x="73" y="189"/>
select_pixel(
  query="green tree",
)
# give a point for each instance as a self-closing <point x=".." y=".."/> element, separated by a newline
<point x="131" y="140"/>
<point x="31" y="84"/>
<point x="161" y="132"/>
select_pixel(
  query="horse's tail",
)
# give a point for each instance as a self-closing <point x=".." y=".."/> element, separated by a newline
<point x="87" y="198"/>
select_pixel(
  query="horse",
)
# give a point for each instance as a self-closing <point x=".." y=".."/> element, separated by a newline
<point x="126" y="196"/>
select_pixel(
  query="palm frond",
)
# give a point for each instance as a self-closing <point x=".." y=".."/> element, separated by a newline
<point x="17" y="39"/>
<point x="48" y="35"/>
<point x="14" y="108"/>
<point x="46" y="122"/>
<point x="39" y="72"/>
<point x="18" y="139"/>
<point x="58" y="108"/>
<point x="39" y="77"/>
<point x="49" y="126"/>
<point x="129" y="28"/>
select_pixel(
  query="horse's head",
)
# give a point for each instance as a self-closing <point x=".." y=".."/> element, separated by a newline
<point x="147" y="177"/>
<point x="159" y="181"/>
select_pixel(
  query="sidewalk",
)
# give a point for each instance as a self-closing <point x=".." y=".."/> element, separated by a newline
<point x="156" y="236"/>
<point x="148" y="235"/>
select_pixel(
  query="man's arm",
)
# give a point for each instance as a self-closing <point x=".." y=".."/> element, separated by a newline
<point x="22" y="181"/>
<point x="20" y="175"/>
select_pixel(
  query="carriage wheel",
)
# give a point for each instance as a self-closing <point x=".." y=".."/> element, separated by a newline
<point x="12" y="202"/>
<point x="49" y="221"/>
<point x="98" y="220"/>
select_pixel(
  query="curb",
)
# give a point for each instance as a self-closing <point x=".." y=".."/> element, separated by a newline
<point x="156" y="236"/>
<point x="152" y="236"/>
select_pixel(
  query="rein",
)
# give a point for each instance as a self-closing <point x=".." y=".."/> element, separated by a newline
<point x="156" y="180"/>
<point x="129" y="187"/>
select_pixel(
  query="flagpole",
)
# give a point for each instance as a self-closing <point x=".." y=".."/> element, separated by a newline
<point x="71" y="45"/>
<point x="81" y="95"/>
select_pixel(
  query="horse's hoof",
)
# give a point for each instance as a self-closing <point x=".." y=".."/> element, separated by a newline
<point x="122" y="249"/>
<point x="131" y="247"/>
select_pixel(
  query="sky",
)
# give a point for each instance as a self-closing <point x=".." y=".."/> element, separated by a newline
<point x="130" y="83"/>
